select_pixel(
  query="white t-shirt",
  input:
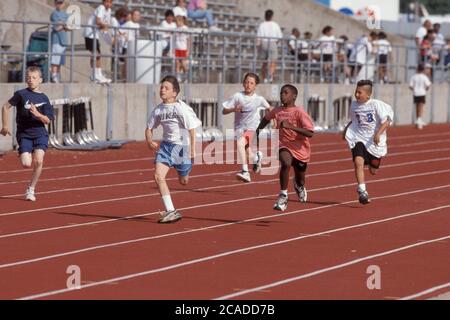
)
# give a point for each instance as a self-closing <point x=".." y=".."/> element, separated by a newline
<point x="383" y="46"/>
<point x="421" y="33"/>
<point x="361" y="50"/>
<point x="169" y="26"/>
<point x="419" y="82"/>
<point x="131" y="34"/>
<point x="367" y="118"/>
<point x="269" y="29"/>
<point x="176" y="119"/>
<point x="250" y="117"/>
<point x="327" y="44"/>
<point x="180" y="11"/>
<point x="105" y="17"/>
<point x="181" y="39"/>
<point x="302" y="45"/>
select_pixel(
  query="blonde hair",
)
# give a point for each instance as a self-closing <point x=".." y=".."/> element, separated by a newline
<point x="34" y="69"/>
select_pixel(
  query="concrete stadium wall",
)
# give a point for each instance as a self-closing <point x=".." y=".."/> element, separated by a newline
<point x="131" y="102"/>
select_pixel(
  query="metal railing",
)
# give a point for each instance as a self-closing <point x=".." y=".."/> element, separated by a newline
<point x="224" y="57"/>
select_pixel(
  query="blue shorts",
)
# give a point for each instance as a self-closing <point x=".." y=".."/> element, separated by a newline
<point x="27" y="144"/>
<point x="175" y="156"/>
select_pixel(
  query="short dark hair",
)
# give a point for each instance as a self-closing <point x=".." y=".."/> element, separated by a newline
<point x="120" y="13"/>
<point x="382" y="35"/>
<point x="327" y="29"/>
<point x="251" y="75"/>
<point x="174" y="81"/>
<point x="421" y="67"/>
<point x="169" y="13"/>
<point x="290" y="87"/>
<point x="269" y="14"/>
<point x="365" y="83"/>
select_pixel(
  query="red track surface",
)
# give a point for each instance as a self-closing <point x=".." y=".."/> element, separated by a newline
<point x="99" y="211"/>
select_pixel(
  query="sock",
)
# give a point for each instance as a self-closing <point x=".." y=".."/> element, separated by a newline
<point x="245" y="167"/>
<point x="362" y="187"/>
<point x="284" y="192"/>
<point x="98" y="72"/>
<point x="168" y="203"/>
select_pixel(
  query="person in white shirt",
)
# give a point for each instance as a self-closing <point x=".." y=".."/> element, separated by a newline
<point x="420" y="84"/>
<point x="169" y="24"/>
<point x="182" y="44"/>
<point x="101" y="19"/>
<point x="366" y="134"/>
<point x="361" y="53"/>
<point x="269" y="33"/>
<point x="180" y="9"/>
<point x="246" y="106"/>
<point x="422" y="32"/>
<point x="177" y="148"/>
<point x="119" y="39"/>
<point x="383" y="49"/>
<point x="131" y="29"/>
<point x="327" y="46"/>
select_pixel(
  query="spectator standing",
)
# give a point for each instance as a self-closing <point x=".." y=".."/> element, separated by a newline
<point x="169" y="24"/>
<point x="269" y="34"/>
<point x="59" y="44"/>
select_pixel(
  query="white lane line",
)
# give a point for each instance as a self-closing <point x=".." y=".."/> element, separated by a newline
<point x="265" y="245"/>
<point x="314" y="163"/>
<point x="151" y="182"/>
<point x="425" y="292"/>
<point x="332" y="268"/>
<point x="152" y="158"/>
<point x="127" y="242"/>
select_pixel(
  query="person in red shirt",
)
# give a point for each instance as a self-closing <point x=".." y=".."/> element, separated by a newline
<point x="295" y="129"/>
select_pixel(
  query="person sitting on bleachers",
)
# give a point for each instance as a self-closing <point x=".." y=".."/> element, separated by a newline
<point x="198" y="10"/>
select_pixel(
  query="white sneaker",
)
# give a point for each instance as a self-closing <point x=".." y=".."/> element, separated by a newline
<point x="244" y="176"/>
<point x="104" y="79"/>
<point x="29" y="194"/>
<point x="281" y="203"/>
<point x="170" y="217"/>
<point x="302" y="194"/>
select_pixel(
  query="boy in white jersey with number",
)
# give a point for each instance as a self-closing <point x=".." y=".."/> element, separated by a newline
<point x="246" y="105"/>
<point x="178" y="122"/>
<point x="366" y="133"/>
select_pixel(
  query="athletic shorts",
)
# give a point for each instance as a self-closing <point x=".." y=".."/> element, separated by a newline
<point x="419" y="99"/>
<point x="181" y="53"/>
<point x="327" y="58"/>
<point x="58" y="55"/>
<point x="90" y="44"/>
<point x="360" y="151"/>
<point x="299" y="165"/>
<point x="27" y="144"/>
<point x="175" y="156"/>
<point x="268" y="51"/>
<point x="382" y="59"/>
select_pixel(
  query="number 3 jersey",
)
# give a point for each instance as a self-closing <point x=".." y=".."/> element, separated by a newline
<point x="367" y="118"/>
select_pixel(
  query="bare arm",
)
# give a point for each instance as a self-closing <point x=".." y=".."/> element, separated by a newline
<point x="306" y="133"/>
<point x="231" y="110"/>
<point x="149" y="139"/>
<point x="381" y="130"/>
<point x="264" y="122"/>
<point x="5" y="119"/>
<point x="41" y="117"/>
<point x="345" y="130"/>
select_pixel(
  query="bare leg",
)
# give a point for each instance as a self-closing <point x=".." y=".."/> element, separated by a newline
<point x="26" y="160"/>
<point x="359" y="170"/>
<point x="38" y="162"/>
<point x="160" y="178"/>
<point x="241" y="150"/>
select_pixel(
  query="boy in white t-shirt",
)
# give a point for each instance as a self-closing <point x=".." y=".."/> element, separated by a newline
<point x="169" y="24"/>
<point x="327" y="46"/>
<point x="419" y="84"/>
<point x="101" y="18"/>
<point x="246" y="106"/>
<point x="177" y="148"/>
<point x="366" y="133"/>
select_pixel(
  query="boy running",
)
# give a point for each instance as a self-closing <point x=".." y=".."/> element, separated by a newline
<point x="34" y="111"/>
<point x="366" y="133"/>
<point x="296" y="128"/>
<point x="176" y="119"/>
<point x="246" y="106"/>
